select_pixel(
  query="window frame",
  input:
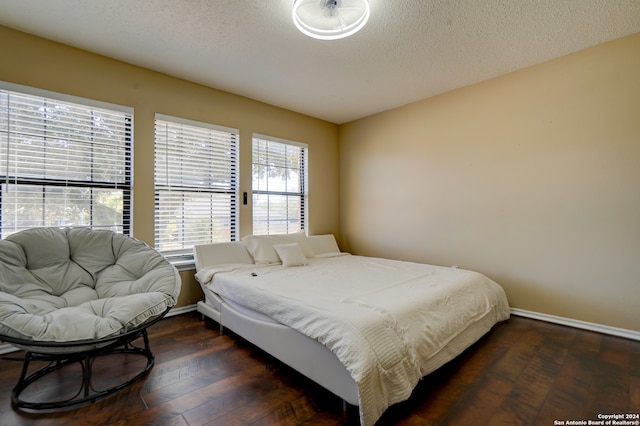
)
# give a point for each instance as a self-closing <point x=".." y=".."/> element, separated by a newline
<point x="183" y="257"/>
<point x="302" y="194"/>
<point x="49" y="182"/>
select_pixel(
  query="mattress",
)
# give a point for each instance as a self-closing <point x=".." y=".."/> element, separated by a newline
<point x="216" y="301"/>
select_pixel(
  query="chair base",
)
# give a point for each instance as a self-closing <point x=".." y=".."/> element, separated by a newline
<point x="86" y="393"/>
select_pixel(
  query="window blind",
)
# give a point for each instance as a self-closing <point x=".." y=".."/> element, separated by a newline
<point x="64" y="162"/>
<point x="196" y="184"/>
<point x="279" y="185"/>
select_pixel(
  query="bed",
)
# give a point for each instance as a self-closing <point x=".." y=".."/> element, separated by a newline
<point x="367" y="329"/>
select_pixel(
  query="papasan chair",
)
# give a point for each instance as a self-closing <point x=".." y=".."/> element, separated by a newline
<point x="69" y="296"/>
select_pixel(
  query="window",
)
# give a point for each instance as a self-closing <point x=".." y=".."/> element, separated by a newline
<point x="196" y="185"/>
<point x="64" y="161"/>
<point x="279" y="185"/>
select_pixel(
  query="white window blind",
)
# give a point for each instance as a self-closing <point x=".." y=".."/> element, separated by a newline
<point x="196" y="184"/>
<point x="279" y="187"/>
<point x="64" y="161"/>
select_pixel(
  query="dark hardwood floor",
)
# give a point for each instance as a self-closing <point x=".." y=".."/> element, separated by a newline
<point x="524" y="372"/>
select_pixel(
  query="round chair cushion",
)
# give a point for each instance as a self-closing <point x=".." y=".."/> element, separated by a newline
<point x="77" y="284"/>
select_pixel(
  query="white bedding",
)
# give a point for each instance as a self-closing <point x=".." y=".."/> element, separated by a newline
<point x="383" y="319"/>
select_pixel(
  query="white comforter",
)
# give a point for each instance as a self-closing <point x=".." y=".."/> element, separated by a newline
<point x="383" y="319"/>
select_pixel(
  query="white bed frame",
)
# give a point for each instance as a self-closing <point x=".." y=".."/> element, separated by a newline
<point x="302" y="353"/>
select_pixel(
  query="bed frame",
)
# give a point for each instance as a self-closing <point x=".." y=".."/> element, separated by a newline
<point x="298" y="351"/>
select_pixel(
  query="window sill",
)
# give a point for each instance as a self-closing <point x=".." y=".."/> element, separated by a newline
<point x="182" y="264"/>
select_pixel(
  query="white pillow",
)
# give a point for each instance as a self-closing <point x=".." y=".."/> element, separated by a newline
<point x="261" y="246"/>
<point x="291" y="254"/>
<point x="324" y="245"/>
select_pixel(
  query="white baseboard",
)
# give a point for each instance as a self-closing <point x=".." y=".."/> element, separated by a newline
<point x="181" y="310"/>
<point x="599" y="328"/>
<point x="6" y="348"/>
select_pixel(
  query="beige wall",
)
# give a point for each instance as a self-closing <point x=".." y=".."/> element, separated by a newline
<point x="36" y="62"/>
<point x="531" y="178"/>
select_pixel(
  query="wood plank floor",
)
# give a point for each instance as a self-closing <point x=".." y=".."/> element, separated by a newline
<point x="524" y="372"/>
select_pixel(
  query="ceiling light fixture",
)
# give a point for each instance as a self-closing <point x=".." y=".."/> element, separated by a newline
<point x="330" y="19"/>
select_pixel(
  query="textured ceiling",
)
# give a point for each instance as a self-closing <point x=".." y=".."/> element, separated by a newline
<point x="409" y="50"/>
